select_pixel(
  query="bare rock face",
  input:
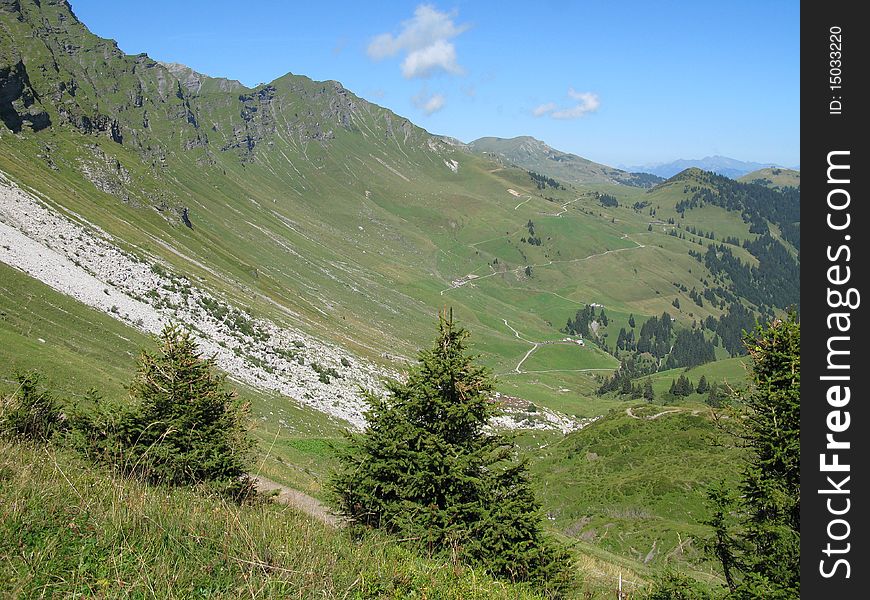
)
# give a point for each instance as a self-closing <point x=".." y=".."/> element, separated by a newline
<point x="19" y="104"/>
<point x="193" y="81"/>
<point x="94" y="125"/>
<point x="12" y="6"/>
<point x="106" y="173"/>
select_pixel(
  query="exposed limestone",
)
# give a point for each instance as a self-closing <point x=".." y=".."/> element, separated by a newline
<point x="84" y="262"/>
<point x="107" y="174"/>
<point x="89" y="267"/>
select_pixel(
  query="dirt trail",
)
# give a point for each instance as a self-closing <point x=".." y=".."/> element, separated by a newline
<point x="523" y="202"/>
<point x="299" y="500"/>
<point x="631" y="414"/>
<point x="563" y="210"/>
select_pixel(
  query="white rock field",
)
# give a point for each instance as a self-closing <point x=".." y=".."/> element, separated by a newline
<point x="78" y="259"/>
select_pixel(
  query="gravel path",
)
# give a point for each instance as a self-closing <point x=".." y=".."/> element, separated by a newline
<point x="299" y="500"/>
<point x="631" y="414"/>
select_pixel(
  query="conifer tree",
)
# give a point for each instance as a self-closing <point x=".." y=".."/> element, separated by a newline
<point x="763" y="549"/>
<point x="648" y="393"/>
<point x="682" y="386"/>
<point x="716" y="396"/>
<point x="184" y="426"/>
<point x="31" y="412"/>
<point x="427" y="468"/>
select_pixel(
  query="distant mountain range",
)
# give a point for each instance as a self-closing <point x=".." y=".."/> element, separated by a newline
<point x="729" y="167"/>
<point x="534" y="155"/>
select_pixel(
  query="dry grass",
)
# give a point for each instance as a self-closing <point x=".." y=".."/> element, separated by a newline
<point x="69" y="530"/>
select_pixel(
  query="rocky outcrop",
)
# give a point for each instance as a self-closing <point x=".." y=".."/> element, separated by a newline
<point x="13" y="6"/>
<point x="19" y="104"/>
<point x="97" y="124"/>
<point x="106" y="173"/>
<point x="185" y="218"/>
<point x="193" y="81"/>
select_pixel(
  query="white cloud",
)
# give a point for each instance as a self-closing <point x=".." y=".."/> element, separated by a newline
<point x="423" y="62"/>
<point x="425" y="41"/>
<point x="544" y="109"/>
<point x="429" y="104"/>
<point x="587" y="102"/>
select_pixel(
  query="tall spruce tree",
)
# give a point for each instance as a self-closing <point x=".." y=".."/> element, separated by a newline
<point x="761" y="551"/>
<point x="428" y="469"/>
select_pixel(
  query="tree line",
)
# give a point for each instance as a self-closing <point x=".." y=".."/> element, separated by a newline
<point x="543" y="182"/>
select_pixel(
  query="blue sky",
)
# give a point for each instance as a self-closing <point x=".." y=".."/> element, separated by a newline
<point x="618" y="82"/>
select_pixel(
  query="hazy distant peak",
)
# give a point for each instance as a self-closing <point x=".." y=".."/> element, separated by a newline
<point x="723" y="165"/>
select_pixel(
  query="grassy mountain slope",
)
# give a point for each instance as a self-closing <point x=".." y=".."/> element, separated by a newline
<point x="774" y="177"/>
<point x="77" y="348"/>
<point x="534" y="155"/>
<point x="320" y="211"/>
<point x="68" y="529"/>
<point x="731" y="372"/>
<point x="84" y="348"/>
<point x="634" y="484"/>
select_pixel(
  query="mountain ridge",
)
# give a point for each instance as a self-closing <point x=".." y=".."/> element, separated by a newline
<point x="535" y="155"/>
<point x="774" y="177"/>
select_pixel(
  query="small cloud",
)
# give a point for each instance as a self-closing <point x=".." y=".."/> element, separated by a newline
<point x="544" y="109"/>
<point x="587" y="102"/>
<point x="382" y="46"/>
<point x="339" y="47"/>
<point x="378" y="93"/>
<point x="425" y="41"/>
<point x="429" y="104"/>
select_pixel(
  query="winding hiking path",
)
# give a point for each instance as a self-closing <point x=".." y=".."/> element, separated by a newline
<point x="564" y="209"/>
<point x="631" y="414"/>
<point x="523" y="202"/>
<point x="535" y="346"/>
<point x="460" y="282"/>
<point x="298" y="500"/>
